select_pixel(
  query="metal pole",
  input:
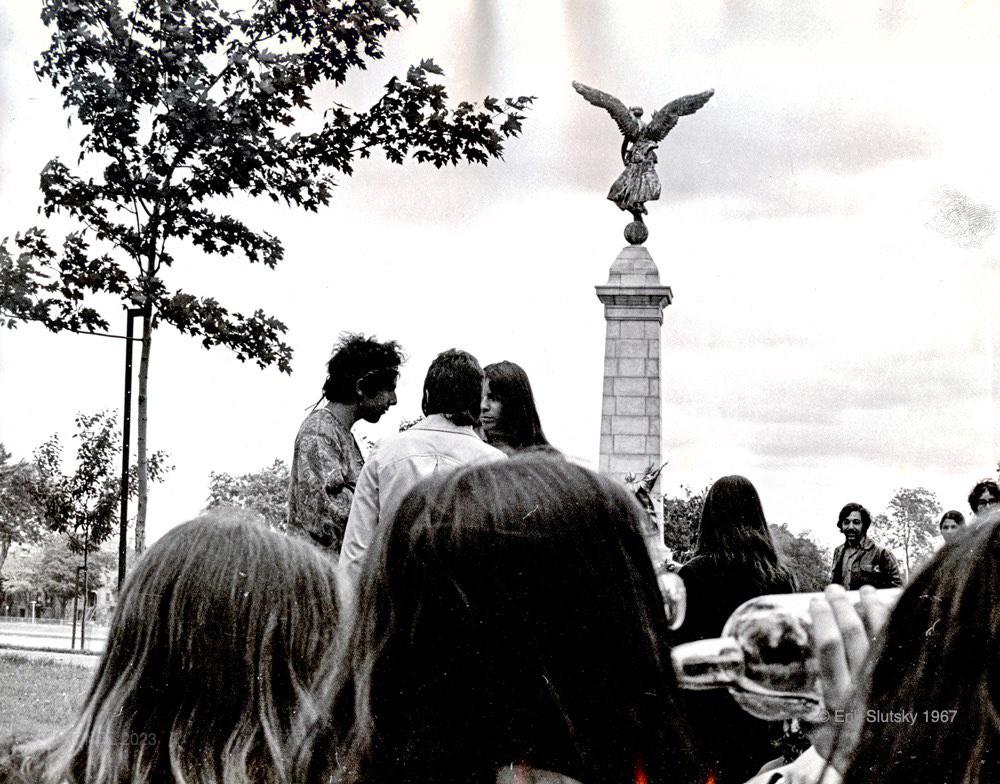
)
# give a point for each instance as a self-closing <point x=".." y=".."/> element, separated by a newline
<point x="76" y="598"/>
<point x="86" y="549"/>
<point x="131" y="313"/>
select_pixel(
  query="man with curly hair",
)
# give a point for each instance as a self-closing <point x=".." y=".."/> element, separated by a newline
<point x="360" y="384"/>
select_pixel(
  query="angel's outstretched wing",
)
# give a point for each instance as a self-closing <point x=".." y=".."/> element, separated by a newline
<point x="627" y="122"/>
<point x="665" y="119"/>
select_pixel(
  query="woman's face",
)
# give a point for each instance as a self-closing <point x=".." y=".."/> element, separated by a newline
<point x="490" y="410"/>
<point x="948" y="529"/>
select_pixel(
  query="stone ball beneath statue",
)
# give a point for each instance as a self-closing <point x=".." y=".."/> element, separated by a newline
<point x="636" y="233"/>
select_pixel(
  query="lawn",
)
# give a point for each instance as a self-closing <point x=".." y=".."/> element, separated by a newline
<point x="38" y="697"/>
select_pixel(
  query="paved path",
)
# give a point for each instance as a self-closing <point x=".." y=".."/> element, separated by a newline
<point x="38" y="635"/>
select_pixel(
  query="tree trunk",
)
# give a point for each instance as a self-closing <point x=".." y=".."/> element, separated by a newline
<point x="4" y="549"/>
<point x="142" y="478"/>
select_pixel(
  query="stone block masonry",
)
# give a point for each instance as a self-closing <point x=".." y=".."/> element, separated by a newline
<point x="633" y="310"/>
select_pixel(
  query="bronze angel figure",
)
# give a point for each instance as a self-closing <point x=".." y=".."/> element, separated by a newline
<point x="639" y="183"/>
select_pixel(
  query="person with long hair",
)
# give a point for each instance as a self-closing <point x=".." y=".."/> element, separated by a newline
<point x="221" y="636"/>
<point x="509" y="417"/>
<point x="509" y="628"/>
<point x="734" y="560"/>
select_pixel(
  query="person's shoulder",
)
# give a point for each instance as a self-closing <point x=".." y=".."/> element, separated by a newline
<point x="438" y="432"/>
<point x="464" y="448"/>
<point x="486" y="451"/>
<point x="318" y="422"/>
<point x="873" y="544"/>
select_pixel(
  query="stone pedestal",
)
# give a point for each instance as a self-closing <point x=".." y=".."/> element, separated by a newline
<point x="630" y="417"/>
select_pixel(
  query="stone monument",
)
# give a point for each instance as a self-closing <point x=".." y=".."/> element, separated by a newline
<point x="630" y="414"/>
<point x="634" y="298"/>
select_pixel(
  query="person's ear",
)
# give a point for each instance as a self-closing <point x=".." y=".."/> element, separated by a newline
<point x="359" y="391"/>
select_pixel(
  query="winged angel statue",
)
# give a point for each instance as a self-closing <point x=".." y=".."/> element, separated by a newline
<point x="639" y="183"/>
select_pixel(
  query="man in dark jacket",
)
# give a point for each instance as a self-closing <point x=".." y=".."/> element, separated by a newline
<point x="859" y="561"/>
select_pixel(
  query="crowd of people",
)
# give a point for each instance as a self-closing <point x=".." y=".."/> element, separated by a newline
<point x="467" y="605"/>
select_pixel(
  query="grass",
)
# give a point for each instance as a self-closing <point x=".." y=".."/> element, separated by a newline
<point x="39" y="697"/>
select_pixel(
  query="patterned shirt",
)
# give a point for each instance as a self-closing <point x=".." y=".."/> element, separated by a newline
<point x="325" y="469"/>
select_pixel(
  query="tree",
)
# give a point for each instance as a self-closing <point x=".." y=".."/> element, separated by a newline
<point x="86" y="502"/>
<point x="17" y="573"/>
<point x="187" y="102"/>
<point x="50" y="567"/>
<point x="20" y="507"/>
<point x="911" y="524"/>
<point x="265" y="492"/>
<point x="681" y="517"/>
<point x="810" y="562"/>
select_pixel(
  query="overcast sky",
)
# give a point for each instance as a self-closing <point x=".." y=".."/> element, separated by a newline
<point x="828" y="226"/>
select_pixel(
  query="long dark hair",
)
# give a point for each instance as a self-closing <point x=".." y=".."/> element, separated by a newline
<point x="220" y="637"/>
<point x="938" y="660"/>
<point x="519" y="426"/>
<point x="733" y="531"/>
<point x="510" y="614"/>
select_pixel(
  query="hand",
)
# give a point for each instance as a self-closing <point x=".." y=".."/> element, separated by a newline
<point x="841" y="636"/>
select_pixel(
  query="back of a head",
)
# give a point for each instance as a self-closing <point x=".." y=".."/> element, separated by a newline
<point x="510" y="613"/>
<point x="222" y="632"/>
<point x="938" y="662"/>
<point x="733" y="531"/>
<point x="454" y="386"/>
<point x="519" y="423"/>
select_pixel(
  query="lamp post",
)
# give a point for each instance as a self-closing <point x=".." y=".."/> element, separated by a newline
<point x="132" y="314"/>
<point x="128" y="337"/>
<point x="86" y="587"/>
<point x="76" y="603"/>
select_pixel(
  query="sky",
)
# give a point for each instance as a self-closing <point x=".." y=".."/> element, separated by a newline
<point x="828" y="226"/>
